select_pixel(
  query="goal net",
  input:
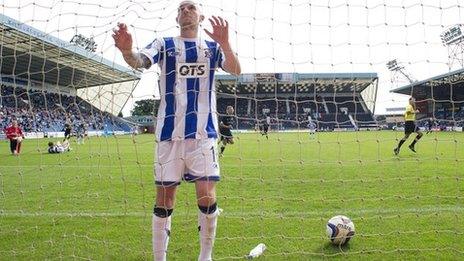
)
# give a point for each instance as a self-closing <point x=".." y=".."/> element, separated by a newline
<point x="318" y="109"/>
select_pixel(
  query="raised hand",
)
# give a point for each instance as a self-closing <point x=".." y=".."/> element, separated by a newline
<point x="220" y="32"/>
<point x="122" y="38"/>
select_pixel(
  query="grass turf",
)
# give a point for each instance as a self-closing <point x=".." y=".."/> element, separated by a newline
<point x="95" y="202"/>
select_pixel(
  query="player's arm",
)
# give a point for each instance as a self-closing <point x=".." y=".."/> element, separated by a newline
<point x="220" y="35"/>
<point x="123" y="41"/>
<point x="409" y="110"/>
<point x="231" y="63"/>
<point x="9" y="134"/>
<point x="222" y="125"/>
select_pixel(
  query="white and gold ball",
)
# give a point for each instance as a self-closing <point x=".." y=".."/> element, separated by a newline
<point x="340" y="229"/>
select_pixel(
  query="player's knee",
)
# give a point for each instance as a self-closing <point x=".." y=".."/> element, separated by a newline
<point x="207" y="199"/>
<point x="162" y="212"/>
<point x="165" y="196"/>
<point x="165" y="202"/>
<point x="209" y="209"/>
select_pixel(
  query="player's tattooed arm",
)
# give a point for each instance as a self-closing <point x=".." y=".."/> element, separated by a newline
<point x="123" y="41"/>
<point x="136" y="60"/>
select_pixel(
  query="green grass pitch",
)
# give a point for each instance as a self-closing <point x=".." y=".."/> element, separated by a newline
<point x="96" y="201"/>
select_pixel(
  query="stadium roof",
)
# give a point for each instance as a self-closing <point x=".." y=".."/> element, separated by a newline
<point x="32" y="54"/>
<point x="424" y="87"/>
<point x="295" y="82"/>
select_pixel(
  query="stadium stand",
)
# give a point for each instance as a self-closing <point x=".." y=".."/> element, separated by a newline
<point x="43" y="91"/>
<point x="333" y="101"/>
<point x="440" y="98"/>
<point x="41" y="111"/>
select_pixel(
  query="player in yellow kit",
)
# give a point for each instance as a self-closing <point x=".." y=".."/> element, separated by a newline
<point x="409" y="126"/>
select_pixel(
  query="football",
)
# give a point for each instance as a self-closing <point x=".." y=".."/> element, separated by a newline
<point x="340" y="229"/>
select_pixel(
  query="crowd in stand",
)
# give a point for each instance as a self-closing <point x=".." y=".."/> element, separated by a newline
<point x="42" y="111"/>
<point x="442" y="124"/>
<point x="296" y="113"/>
<point x="326" y="113"/>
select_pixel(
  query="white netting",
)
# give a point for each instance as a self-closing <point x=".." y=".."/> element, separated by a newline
<point x="303" y="62"/>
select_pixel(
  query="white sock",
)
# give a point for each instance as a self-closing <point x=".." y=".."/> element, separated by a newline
<point x="207" y="223"/>
<point x="161" y="230"/>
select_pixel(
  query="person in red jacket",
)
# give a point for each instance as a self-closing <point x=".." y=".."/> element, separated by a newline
<point x="15" y="135"/>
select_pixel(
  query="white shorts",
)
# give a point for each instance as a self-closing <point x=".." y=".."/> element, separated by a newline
<point x="189" y="160"/>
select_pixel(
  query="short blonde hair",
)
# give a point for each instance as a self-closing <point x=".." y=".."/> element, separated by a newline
<point x="192" y="3"/>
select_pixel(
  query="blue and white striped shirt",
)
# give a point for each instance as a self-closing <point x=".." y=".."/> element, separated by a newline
<point x="188" y="96"/>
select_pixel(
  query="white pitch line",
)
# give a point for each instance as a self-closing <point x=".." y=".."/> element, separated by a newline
<point x="355" y="212"/>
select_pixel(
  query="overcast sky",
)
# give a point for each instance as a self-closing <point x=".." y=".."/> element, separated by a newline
<point x="300" y="36"/>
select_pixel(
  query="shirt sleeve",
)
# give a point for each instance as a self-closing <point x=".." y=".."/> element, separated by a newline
<point x="153" y="51"/>
<point x="9" y="133"/>
<point x="221" y="58"/>
<point x="408" y="110"/>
